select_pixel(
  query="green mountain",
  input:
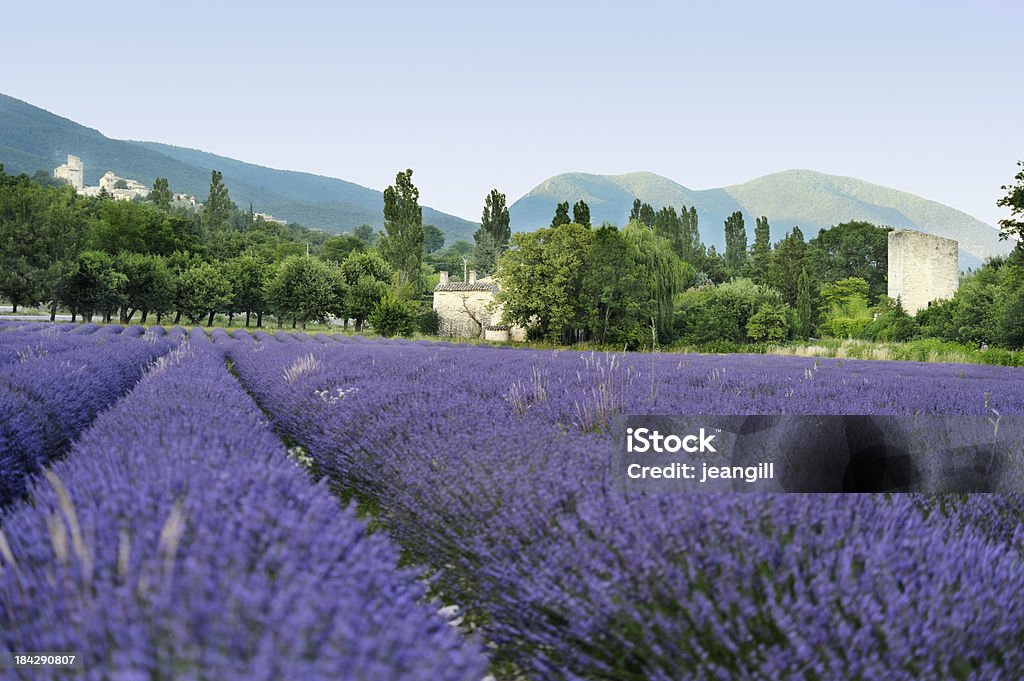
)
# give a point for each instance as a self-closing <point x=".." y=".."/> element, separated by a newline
<point x="810" y="200"/>
<point x="32" y="139"/>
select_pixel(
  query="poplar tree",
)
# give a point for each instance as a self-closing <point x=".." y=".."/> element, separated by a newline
<point x="735" y="243"/>
<point x="161" y="194"/>
<point x="217" y="209"/>
<point x="803" y="305"/>
<point x="402" y="241"/>
<point x="495" y="220"/>
<point x="581" y="213"/>
<point x="761" y="252"/>
<point x="491" y="240"/>
<point x="561" y="215"/>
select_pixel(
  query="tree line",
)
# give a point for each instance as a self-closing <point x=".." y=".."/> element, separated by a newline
<point x="655" y="282"/>
<point x="651" y="282"/>
<point x="153" y="260"/>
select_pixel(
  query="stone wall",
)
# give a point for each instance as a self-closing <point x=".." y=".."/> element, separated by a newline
<point x="464" y="313"/>
<point x="922" y="268"/>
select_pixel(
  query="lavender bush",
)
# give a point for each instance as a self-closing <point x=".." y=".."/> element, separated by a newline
<point x="179" y="541"/>
<point x="491" y="466"/>
<point x="54" y="390"/>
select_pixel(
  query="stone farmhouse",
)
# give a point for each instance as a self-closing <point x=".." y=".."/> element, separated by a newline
<point x="469" y="309"/>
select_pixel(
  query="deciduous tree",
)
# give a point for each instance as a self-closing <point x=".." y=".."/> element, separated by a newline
<point x="402" y="243"/>
<point x="561" y="215"/>
<point x="1013" y="226"/>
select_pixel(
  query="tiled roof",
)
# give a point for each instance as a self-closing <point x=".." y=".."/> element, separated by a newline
<point x="465" y="286"/>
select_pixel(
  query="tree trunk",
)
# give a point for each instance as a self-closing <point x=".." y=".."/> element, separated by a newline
<point x="53" y="312"/>
<point x="177" y="317"/>
<point x="359" y="325"/>
<point x="344" y="324"/>
<point x="74" y="315"/>
<point x="293" y="322"/>
<point x="231" y="317"/>
<point x="247" y="313"/>
<point x="145" y="314"/>
<point x="14" y="307"/>
<point x="259" y="320"/>
<point x="131" y="313"/>
<point x="209" y="320"/>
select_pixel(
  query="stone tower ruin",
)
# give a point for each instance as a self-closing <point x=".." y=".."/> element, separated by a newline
<point x="922" y="268"/>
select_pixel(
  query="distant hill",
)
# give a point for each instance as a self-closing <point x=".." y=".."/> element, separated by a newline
<point x="810" y="200"/>
<point x="33" y="139"/>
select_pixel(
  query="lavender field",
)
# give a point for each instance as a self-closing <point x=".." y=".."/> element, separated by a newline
<point x="178" y="505"/>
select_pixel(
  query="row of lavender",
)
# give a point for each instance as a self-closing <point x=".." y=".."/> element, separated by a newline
<point x="491" y="466"/>
<point x="55" y="379"/>
<point x="177" y="540"/>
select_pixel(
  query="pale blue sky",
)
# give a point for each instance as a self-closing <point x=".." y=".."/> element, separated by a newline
<point x="923" y="96"/>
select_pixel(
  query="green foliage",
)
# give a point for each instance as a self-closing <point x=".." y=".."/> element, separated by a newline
<point x="761" y="252"/>
<point x="303" y="289"/>
<point x="249" y="276"/>
<point x="433" y="239"/>
<point x="1009" y="308"/>
<point x="647" y="215"/>
<point x="394" y="316"/>
<point x="1013" y="226"/>
<point x="149" y="285"/>
<point x="93" y="285"/>
<point x="691" y="249"/>
<point x="365" y="233"/>
<point x="495" y="222"/>
<point x="616" y="291"/>
<point x="664" y="273"/>
<point x="337" y="248"/>
<point x="492" y="239"/>
<point x="542" y="280"/>
<point x="788" y="261"/>
<point x="402" y="243"/>
<point x="161" y="194"/>
<point x="203" y="289"/>
<point x="485" y="255"/>
<point x="974" y="311"/>
<point x="218" y="206"/>
<point x="365" y="277"/>
<point x="803" y="306"/>
<point x="735" y="243"/>
<point x="723" y="312"/>
<point x="852" y="249"/>
<point x="561" y="215"/>
<point x="844" y="308"/>
<point x="140" y="228"/>
<point x="891" y="323"/>
<point x="581" y="213"/>
<point x="668" y="226"/>
<point x="429" y="322"/>
<point x="840" y="292"/>
<point x="770" y="323"/>
<point x="39" y="227"/>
